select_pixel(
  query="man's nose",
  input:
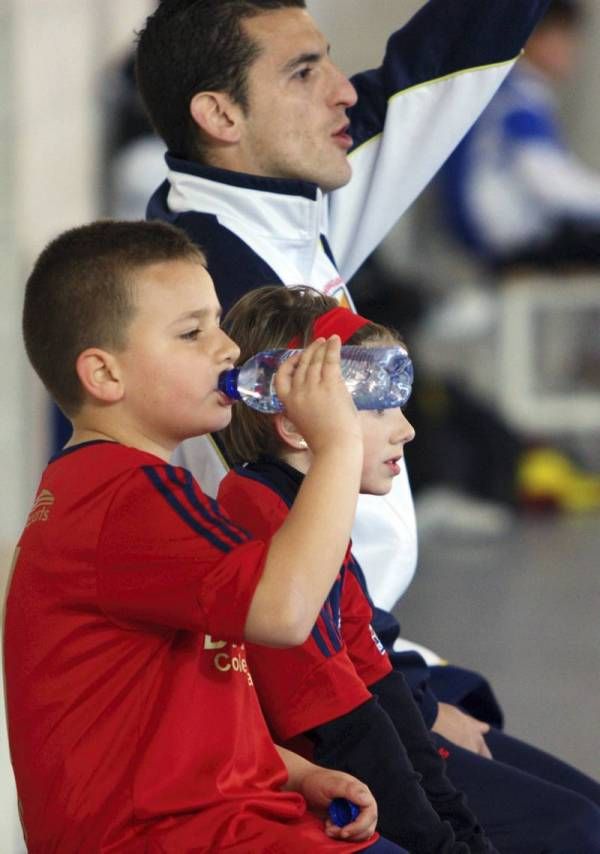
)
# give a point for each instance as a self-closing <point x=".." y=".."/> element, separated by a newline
<point x="345" y="93"/>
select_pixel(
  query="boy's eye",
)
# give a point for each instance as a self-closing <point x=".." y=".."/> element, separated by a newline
<point x="191" y="335"/>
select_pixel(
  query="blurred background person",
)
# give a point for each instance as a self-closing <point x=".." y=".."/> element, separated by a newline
<point x="134" y="155"/>
<point x="513" y="193"/>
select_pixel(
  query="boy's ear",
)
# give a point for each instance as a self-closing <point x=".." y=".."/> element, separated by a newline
<point x="217" y="116"/>
<point x="287" y="432"/>
<point x="100" y="375"/>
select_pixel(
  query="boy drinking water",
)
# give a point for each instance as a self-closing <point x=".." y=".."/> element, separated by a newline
<point x="337" y="692"/>
<point x="133" y="720"/>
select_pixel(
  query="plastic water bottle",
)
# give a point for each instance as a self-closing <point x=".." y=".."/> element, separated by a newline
<point x="377" y="378"/>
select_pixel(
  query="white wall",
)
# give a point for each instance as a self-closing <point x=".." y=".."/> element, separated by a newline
<point x="50" y="114"/>
<point x="358" y="30"/>
<point x="51" y="54"/>
<point x="581" y="96"/>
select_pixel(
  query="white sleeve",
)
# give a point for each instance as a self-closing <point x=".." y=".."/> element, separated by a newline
<point x="438" y="73"/>
<point x="422" y="127"/>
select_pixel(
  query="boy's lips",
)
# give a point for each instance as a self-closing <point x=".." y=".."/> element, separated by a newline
<point x="224" y="399"/>
<point x="394" y="465"/>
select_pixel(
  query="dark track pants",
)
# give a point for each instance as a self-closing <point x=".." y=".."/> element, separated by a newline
<point x="527" y="801"/>
<point x="382" y="846"/>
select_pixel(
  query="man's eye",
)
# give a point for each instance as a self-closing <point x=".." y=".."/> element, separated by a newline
<point x="190" y="336"/>
<point x="303" y="73"/>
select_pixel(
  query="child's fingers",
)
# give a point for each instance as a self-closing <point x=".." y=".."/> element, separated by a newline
<point x="294" y="372"/>
<point x="365" y="822"/>
<point x="284" y="374"/>
<point x="310" y="362"/>
<point x="332" y="353"/>
<point x="324" y="361"/>
<point x="363" y="827"/>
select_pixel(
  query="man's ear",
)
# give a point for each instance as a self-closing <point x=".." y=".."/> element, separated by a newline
<point x="287" y="432"/>
<point x="217" y="116"/>
<point x="100" y="375"/>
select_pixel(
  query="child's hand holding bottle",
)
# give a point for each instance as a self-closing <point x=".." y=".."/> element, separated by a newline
<point x="316" y="399"/>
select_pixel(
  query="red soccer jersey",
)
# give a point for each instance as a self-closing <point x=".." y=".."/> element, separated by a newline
<point x="328" y="675"/>
<point x="133" y="719"/>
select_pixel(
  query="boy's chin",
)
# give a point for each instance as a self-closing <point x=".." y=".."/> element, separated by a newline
<point x="370" y="489"/>
<point x="214" y="425"/>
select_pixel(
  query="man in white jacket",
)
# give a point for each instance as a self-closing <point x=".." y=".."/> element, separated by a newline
<point x="285" y="171"/>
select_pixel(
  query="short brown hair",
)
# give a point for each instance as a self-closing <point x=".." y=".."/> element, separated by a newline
<point x="269" y="318"/>
<point x="81" y="293"/>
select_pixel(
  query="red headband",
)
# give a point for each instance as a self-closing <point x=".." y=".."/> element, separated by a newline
<point x="337" y="321"/>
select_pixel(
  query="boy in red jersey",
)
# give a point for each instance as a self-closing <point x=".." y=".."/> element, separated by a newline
<point x="324" y="691"/>
<point x="133" y="721"/>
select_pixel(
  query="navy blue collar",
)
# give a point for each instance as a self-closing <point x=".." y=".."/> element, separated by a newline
<point x="73" y="448"/>
<point x="281" y="477"/>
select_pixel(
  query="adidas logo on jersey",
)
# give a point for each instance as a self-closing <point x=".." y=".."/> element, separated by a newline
<point x="41" y="507"/>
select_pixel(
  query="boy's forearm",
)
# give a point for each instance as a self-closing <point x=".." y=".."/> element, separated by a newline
<point x="396" y="700"/>
<point x="307" y="551"/>
<point x="364" y="742"/>
<point x="297" y="768"/>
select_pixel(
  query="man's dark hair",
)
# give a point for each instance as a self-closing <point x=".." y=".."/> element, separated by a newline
<point x="191" y="46"/>
<point x="82" y="293"/>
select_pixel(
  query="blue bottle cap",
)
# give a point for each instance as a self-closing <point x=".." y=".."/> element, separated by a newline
<point x="228" y="383"/>
<point x="342" y="811"/>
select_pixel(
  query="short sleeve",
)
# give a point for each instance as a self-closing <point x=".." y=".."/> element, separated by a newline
<point x="170" y="558"/>
<point x="365" y="649"/>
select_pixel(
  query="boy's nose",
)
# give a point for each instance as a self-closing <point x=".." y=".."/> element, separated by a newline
<point x="405" y="432"/>
<point x="229" y="349"/>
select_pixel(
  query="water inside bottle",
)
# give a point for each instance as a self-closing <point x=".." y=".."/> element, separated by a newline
<point x="377" y="377"/>
<point x="256" y="383"/>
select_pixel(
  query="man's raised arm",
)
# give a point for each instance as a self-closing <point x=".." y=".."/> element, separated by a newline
<point x="438" y="74"/>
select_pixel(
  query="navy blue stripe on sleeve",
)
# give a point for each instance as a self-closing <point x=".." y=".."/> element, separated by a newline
<point x="184" y="479"/>
<point x="167" y="493"/>
<point x="320" y="641"/>
<point x="334" y="599"/>
<point x="331" y="627"/>
<point x="352" y="565"/>
<point x="235" y="526"/>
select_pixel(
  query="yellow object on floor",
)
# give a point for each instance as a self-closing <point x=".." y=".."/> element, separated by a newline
<point x="546" y="477"/>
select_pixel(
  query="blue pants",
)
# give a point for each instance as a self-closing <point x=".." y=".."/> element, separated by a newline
<point x="527" y="801"/>
<point x="382" y="846"/>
